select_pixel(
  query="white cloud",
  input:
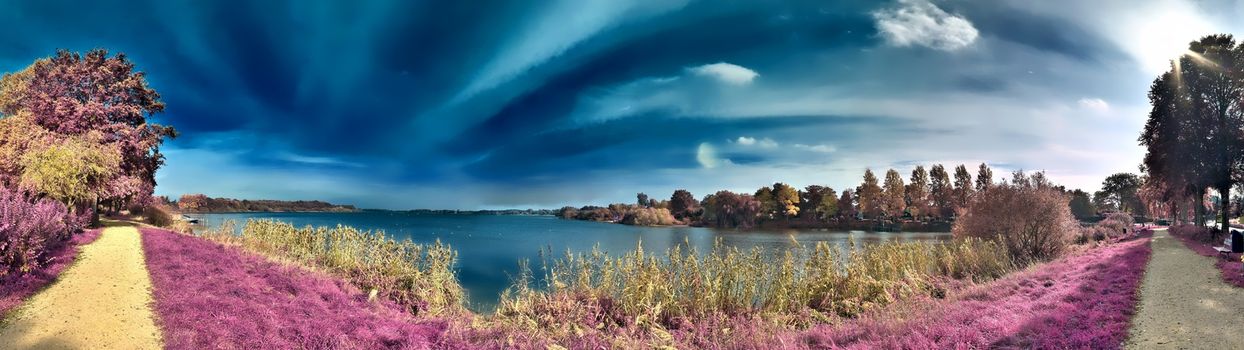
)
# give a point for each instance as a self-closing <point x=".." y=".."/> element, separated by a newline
<point x="752" y="141"/>
<point x="727" y="73"/>
<point x="920" y="22"/>
<point x="706" y="155"/>
<point x="817" y="148"/>
<point x="1094" y="104"/>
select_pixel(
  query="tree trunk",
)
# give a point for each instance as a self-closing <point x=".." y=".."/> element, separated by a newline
<point x="1198" y="207"/>
<point x="1175" y="212"/>
<point x="95" y="213"/>
<point x="1224" y="203"/>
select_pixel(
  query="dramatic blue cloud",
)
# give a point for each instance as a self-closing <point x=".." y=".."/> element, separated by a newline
<point x="477" y="104"/>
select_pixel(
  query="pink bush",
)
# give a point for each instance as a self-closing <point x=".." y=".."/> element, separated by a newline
<point x="15" y="288"/>
<point x="210" y="296"/>
<point x="30" y="230"/>
<point x="1077" y="302"/>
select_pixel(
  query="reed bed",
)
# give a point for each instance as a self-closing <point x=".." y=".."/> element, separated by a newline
<point x="646" y="295"/>
<point x="419" y="277"/>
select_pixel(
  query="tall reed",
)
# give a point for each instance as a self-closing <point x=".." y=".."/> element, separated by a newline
<point x="799" y="286"/>
<point x="417" y="276"/>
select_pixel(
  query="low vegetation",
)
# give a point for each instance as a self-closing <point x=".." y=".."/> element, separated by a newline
<point x="30" y="229"/>
<point x="418" y="277"/>
<point x="631" y="294"/>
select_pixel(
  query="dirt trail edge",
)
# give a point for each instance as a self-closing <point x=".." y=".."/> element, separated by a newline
<point x="102" y="301"/>
<point x="1184" y="303"/>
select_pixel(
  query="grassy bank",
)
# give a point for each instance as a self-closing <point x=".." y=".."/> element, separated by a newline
<point x="819" y="295"/>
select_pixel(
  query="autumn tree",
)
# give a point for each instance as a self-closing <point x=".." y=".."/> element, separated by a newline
<point x="71" y="95"/>
<point x="728" y="209"/>
<point x="918" y="192"/>
<point x="941" y="191"/>
<point x="869" y="195"/>
<point x="786" y="200"/>
<point x="195" y="202"/>
<point x="683" y="205"/>
<point x="847" y="205"/>
<point x="893" y="201"/>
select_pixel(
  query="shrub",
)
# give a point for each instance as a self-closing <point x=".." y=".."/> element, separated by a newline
<point x="418" y="277"/>
<point x="29" y="230"/>
<point x="1029" y="216"/>
<point x="1115" y="226"/>
<point x="648" y="217"/>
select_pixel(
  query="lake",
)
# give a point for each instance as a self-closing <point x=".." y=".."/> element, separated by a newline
<point x="490" y="246"/>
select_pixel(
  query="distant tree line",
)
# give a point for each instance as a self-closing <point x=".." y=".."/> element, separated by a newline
<point x="926" y="196"/>
<point x="198" y="203"/>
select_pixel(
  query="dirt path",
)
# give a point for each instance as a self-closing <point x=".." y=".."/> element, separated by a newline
<point x="1184" y="303"/>
<point x="101" y="302"/>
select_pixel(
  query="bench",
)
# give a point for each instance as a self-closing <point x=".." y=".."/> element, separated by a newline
<point x="1224" y="252"/>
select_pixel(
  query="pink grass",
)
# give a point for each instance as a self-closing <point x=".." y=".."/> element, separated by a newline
<point x="1077" y="302"/>
<point x="210" y="296"/>
<point x="1232" y="269"/>
<point x="14" y="289"/>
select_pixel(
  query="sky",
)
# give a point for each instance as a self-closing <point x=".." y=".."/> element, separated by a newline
<point x="517" y="104"/>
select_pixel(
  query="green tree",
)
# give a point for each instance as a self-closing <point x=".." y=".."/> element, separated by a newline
<point x="918" y="192"/>
<point x="1081" y="205"/>
<point x="984" y="178"/>
<point x="827" y="208"/>
<point x="894" y="195"/>
<point x="768" y="204"/>
<point x="963" y="186"/>
<point x="941" y="192"/>
<point x="73" y="171"/>
<point x="1121" y="190"/>
<point x="869" y="195"/>
<point x="641" y="199"/>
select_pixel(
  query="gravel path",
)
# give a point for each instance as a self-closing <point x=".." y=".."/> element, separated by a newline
<point x="1184" y="304"/>
<point x="101" y="302"/>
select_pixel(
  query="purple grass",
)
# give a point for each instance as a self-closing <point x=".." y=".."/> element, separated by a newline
<point x="210" y="296"/>
<point x="16" y="288"/>
<point x="1194" y="238"/>
<point x="1082" y="301"/>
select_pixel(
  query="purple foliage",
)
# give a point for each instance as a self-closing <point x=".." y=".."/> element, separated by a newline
<point x="1078" y="302"/>
<point x="211" y="296"/>
<point x="15" y="288"/>
<point x="29" y="231"/>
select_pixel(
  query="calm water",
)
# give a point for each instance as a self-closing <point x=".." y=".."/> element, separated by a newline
<point x="490" y="247"/>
